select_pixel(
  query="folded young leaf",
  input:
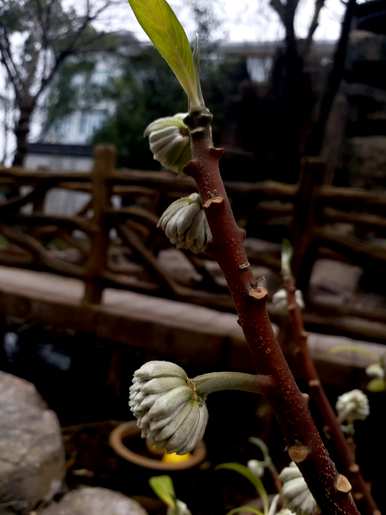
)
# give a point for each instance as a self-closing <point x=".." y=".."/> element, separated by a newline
<point x="168" y="36"/>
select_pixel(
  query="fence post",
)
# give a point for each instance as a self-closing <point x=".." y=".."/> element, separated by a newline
<point x="104" y="164"/>
<point x="305" y="220"/>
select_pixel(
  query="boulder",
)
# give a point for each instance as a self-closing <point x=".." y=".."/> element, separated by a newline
<point x="94" y="501"/>
<point x="31" y="449"/>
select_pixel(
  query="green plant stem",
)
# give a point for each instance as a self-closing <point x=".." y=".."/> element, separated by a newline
<point x="219" y="381"/>
<point x="330" y="490"/>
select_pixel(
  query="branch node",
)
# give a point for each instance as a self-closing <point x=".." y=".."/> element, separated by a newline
<point x="244" y="266"/>
<point x="342" y="484"/>
<point x="298" y="452"/>
<point x="314" y="383"/>
<point x="306" y="397"/>
<point x="354" y="468"/>
<point x="216" y="199"/>
<point x="257" y="293"/>
<point x="217" y="153"/>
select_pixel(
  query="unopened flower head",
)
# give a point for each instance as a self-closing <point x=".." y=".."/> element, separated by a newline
<point x="279" y="301"/>
<point x="185" y="225"/>
<point x="296" y="492"/>
<point x="285" y="511"/>
<point x="170" y="413"/>
<point x="376" y="371"/>
<point x="169" y="141"/>
<point x="353" y="405"/>
<point x="256" y="467"/>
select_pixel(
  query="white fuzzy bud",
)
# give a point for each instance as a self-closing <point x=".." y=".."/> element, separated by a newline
<point x="185" y="225"/>
<point x="296" y="492"/>
<point x="353" y="405"/>
<point x="170" y="413"/>
<point x="285" y="512"/>
<point x="256" y="467"/>
<point x="375" y="371"/>
<point x="169" y="141"/>
<point x="280" y="303"/>
<point x="180" y="509"/>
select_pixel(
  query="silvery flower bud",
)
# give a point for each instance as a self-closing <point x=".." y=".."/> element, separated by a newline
<point x="353" y="405"/>
<point x="279" y="301"/>
<point x="179" y="509"/>
<point x="170" y="413"/>
<point x="296" y="492"/>
<point x="185" y="225"/>
<point x="375" y="371"/>
<point x="285" y="512"/>
<point x="169" y="141"/>
<point x="256" y="467"/>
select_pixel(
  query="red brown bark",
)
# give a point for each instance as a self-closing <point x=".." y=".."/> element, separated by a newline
<point x="250" y="302"/>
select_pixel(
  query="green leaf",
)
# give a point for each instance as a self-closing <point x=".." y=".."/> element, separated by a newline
<point x="245" y="509"/>
<point x="168" y="36"/>
<point x="256" y="482"/>
<point x="376" y="385"/>
<point x="286" y="256"/>
<point x="163" y="487"/>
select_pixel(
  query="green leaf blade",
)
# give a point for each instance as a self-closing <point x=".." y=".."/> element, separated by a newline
<point x="256" y="482"/>
<point x="158" y="20"/>
<point x="163" y="487"/>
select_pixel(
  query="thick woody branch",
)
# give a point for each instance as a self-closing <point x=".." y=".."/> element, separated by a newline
<point x="250" y="301"/>
<point x="318" y="399"/>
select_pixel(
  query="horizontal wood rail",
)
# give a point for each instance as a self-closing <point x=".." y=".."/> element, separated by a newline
<point x="108" y="246"/>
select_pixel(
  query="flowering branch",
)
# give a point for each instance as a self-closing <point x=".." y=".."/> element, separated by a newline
<point x="330" y="489"/>
<point x="307" y="372"/>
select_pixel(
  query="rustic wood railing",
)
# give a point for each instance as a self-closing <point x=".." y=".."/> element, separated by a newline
<point x="108" y="246"/>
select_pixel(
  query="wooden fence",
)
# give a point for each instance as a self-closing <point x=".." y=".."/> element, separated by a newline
<point x="119" y="247"/>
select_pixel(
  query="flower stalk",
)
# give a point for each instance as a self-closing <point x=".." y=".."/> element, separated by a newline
<point x="250" y="302"/>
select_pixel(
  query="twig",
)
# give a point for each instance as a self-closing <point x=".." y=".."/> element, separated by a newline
<point x="307" y="372"/>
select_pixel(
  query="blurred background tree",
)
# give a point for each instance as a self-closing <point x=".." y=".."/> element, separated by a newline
<point x="36" y="38"/>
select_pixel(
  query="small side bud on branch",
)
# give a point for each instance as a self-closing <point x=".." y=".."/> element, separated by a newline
<point x="185" y="225"/>
<point x="169" y="141"/>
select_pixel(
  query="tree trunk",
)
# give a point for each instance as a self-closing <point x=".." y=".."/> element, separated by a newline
<point x="22" y="129"/>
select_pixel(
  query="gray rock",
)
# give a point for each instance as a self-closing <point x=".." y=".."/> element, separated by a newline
<point x="31" y="449"/>
<point x="94" y="501"/>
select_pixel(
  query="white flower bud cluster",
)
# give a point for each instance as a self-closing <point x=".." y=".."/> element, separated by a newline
<point x="170" y="413"/>
<point x="185" y="225"/>
<point x="285" y="512"/>
<point x="353" y="405"/>
<point x="169" y="141"/>
<point x="296" y="492"/>
<point x="280" y="303"/>
<point x="375" y="370"/>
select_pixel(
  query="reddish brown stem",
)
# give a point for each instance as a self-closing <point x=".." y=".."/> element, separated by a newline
<point x="307" y="372"/>
<point x="250" y="301"/>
